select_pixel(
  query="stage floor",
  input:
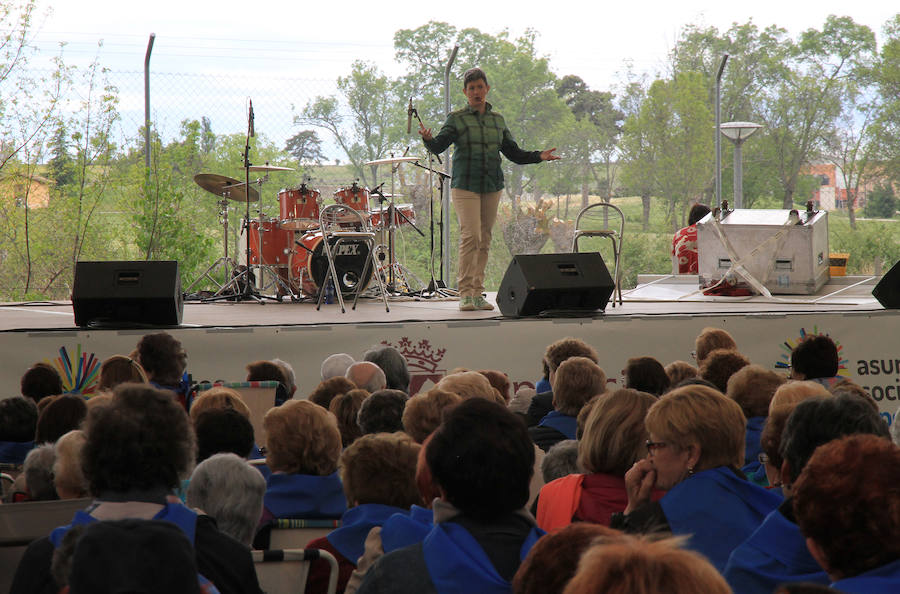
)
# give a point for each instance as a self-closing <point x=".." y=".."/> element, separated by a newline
<point x="654" y="295"/>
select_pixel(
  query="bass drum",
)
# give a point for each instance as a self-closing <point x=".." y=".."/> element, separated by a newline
<point x="308" y="265"/>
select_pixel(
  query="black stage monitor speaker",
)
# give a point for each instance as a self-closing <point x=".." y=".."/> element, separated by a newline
<point x="535" y="283"/>
<point x="887" y="291"/>
<point x="127" y="293"/>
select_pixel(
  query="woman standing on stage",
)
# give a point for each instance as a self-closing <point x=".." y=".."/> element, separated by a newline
<point x="479" y="136"/>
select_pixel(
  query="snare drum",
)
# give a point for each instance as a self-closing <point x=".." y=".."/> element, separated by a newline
<point x="299" y="208"/>
<point x="354" y="197"/>
<point x="378" y="213"/>
<point x="309" y="265"/>
<point x="277" y="243"/>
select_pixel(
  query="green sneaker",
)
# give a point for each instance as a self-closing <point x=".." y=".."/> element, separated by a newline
<point x="481" y="303"/>
<point x="466" y="304"/>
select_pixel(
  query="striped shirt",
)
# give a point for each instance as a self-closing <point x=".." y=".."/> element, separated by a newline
<point x="478" y="140"/>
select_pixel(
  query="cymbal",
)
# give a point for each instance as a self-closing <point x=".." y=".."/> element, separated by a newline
<point x="268" y="167"/>
<point x="225" y="186"/>
<point x="393" y="160"/>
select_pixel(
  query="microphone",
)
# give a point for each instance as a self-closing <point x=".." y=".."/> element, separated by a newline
<point x="409" y="113"/>
<point x="252" y="131"/>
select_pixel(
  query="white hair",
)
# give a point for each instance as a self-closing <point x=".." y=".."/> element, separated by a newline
<point x="335" y="365"/>
<point x="227" y="488"/>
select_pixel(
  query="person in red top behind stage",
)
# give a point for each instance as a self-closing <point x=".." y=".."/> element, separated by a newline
<point x="684" y="243"/>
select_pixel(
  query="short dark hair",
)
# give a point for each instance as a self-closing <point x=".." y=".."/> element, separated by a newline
<point x="345" y="407"/>
<point x="59" y="417"/>
<point x="720" y="365"/>
<point x="141" y="440"/>
<point x="483" y="459"/>
<point x="18" y="419"/>
<point x="819" y="420"/>
<point x="815" y="356"/>
<point x="563" y="349"/>
<point x="473" y="74"/>
<point x="39" y="381"/>
<point x="223" y="430"/>
<point x="393" y="364"/>
<point x="646" y="374"/>
<point x="325" y="392"/>
<point x="162" y="357"/>
<point x="698" y="211"/>
<point x="267" y="371"/>
<point x="382" y="412"/>
<point x="381" y="468"/>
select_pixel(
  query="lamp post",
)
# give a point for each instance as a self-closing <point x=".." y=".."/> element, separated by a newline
<point x="737" y="133"/>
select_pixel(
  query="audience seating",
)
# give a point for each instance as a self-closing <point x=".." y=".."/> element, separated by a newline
<point x="293" y="533"/>
<point x="285" y="571"/>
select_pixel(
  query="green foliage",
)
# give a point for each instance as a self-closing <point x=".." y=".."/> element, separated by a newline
<point x="882" y="203"/>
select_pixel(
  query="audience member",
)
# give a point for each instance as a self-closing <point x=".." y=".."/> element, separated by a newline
<point x="336" y="365"/>
<point x="382" y="412"/>
<point x="482" y="459"/>
<point x="38" y="474"/>
<point x="641" y="566"/>
<point x="684" y="242"/>
<point x="557" y="352"/>
<point x="120" y="369"/>
<point x="720" y="365"/>
<point x="793" y="392"/>
<point x="847" y="502"/>
<point x="225" y="487"/>
<point x="425" y="411"/>
<point x="577" y="380"/>
<point x="218" y="397"/>
<point x="500" y="381"/>
<point x="696" y="446"/>
<point x="711" y="339"/>
<point x="40" y="380"/>
<point x="64" y="414"/>
<point x="345" y="408"/>
<point x="614" y="439"/>
<point x="815" y="358"/>
<point x="378" y="472"/>
<point x="138" y="449"/>
<point x="221" y="430"/>
<point x="777" y="552"/>
<point x="367" y="376"/>
<point x="770" y="442"/>
<point x="846" y="386"/>
<point x="678" y="371"/>
<point x="646" y="374"/>
<point x="584" y="413"/>
<point x="326" y="391"/>
<point x="269" y="371"/>
<point x="68" y="478"/>
<point x="393" y="364"/>
<point x="163" y="358"/>
<point x="470" y="384"/>
<point x="753" y="387"/>
<point x="543" y="384"/>
<point x="18" y="422"/>
<point x="561" y="460"/>
<point x="289" y="375"/>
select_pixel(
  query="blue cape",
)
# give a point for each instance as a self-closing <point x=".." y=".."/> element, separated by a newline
<point x="542" y="386"/>
<point x="402" y="530"/>
<point x="350" y="538"/>
<point x="176" y="513"/>
<point x="563" y="423"/>
<point x="457" y="563"/>
<point x="14" y="452"/>
<point x="718" y="509"/>
<point x="304" y="496"/>
<point x="752" y="449"/>
<point x="774" y="554"/>
<point x="877" y="581"/>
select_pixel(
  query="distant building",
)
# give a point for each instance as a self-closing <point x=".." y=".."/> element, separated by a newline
<point x="35" y="190"/>
<point x="832" y="193"/>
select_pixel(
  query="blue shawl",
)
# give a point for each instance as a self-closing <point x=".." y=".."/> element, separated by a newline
<point x="877" y="581"/>
<point x="457" y="563"/>
<point x="176" y="513"/>
<point x="752" y="449"/>
<point x="563" y="423"/>
<point x="718" y="509"/>
<point x="304" y="496"/>
<point x="402" y="530"/>
<point x="14" y="452"/>
<point x="350" y="539"/>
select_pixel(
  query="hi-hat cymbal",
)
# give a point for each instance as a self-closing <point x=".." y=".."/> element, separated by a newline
<point x="393" y="160"/>
<point x="268" y="167"/>
<point x="226" y="186"/>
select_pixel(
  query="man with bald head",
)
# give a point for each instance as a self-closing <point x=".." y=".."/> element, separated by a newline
<point x="367" y="376"/>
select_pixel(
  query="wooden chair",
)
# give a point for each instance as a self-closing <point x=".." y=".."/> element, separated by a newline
<point x="603" y="219"/>
<point x="285" y="571"/>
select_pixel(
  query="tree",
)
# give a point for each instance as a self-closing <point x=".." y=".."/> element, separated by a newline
<point x="306" y="148"/>
<point x="882" y="202"/>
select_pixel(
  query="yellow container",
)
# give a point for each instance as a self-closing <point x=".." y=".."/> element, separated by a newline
<point x="837" y="263"/>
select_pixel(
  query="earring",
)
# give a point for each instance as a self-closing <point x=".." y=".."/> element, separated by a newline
<point x="690" y="471"/>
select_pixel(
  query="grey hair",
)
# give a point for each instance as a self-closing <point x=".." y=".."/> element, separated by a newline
<point x="561" y="460"/>
<point x="227" y="488"/>
<point x="393" y="364"/>
<point x="289" y="371"/>
<point x="335" y="365"/>
<point x="38" y="471"/>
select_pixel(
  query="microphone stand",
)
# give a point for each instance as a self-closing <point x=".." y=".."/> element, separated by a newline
<point x="435" y="286"/>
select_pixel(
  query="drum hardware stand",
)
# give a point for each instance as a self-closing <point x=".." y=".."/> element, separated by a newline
<point x="387" y="224"/>
<point x="224" y="262"/>
<point x="262" y="268"/>
<point x="435" y="286"/>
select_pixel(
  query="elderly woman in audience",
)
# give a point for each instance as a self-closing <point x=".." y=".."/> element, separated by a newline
<point x="227" y="488"/>
<point x="138" y="448"/>
<point x="335" y="365"/>
<point x="269" y="371"/>
<point x="470" y="384"/>
<point x="794" y="392"/>
<point x="36" y="480"/>
<point x="382" y="412"/>
<point x="18" y="420"/>
<point x="41" y="380"/>
<point x="378" y="471"/>
<point x="367" y="376"/>
<point x="345" y="407"/>
<point x="500" y="381"/>
<point x="223" y="430"/>
<point x="696" y="449"/>
<point x="678" y="371"/>
<point x="770" y="442"/>
<point x="720" y="365"/>
<point x="482" y="459"/>
<point x="614" y="439"/>
<point x="393" y="364"/>
<point x="330" y="388"/>
<point x="640" y="566"/>
<point x="68" y="478"/>
<point x="218" y="397"/>
<point x="646" y="374"/>
<point x="576" y="381"/>
<point x="163" y="358"/>
<point x="752" y="387"/>
<point x="710" y="339"/>
<point x="63" y="414"/>
<point x="816" y="358"/>
<point x="847" y="502"/>
<point x="557" y="352"/>
<point x="561" y="460"/>
<point x="776" y="552"/>
<point x="424" y="412"/>
<point x="120" y="369"/>
<point x="303" y="446"/>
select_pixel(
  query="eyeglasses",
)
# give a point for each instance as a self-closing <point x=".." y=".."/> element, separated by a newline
<point x="652" y="446"/>
<point x="694" y="355"/>
<point x="763" y="458"/>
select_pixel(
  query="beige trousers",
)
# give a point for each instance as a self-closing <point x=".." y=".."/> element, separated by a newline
<point x="476" y="213"/>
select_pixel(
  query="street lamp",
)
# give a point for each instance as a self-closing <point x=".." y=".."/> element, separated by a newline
<point x="737" y="133"/>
